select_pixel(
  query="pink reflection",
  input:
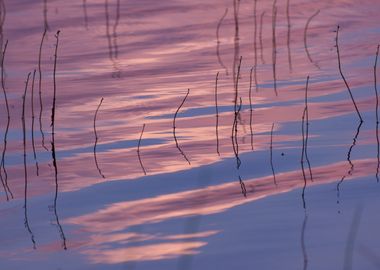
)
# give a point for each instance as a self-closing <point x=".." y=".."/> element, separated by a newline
<point x="210" y="200"/>
<point x="144" y="253"/>
<point x="170" y="48"/>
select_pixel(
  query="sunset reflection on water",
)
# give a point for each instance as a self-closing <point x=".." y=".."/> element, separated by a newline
<point x="141" y="57"/>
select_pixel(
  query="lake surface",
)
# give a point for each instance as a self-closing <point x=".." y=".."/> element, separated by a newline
<point x="184" y="137"/>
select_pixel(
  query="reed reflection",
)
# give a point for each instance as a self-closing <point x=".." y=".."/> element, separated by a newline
<point x="218" y="41"/>
<point x="305" y="38"/>
<point x="261" y="37"/>
<point x="193" y="223"/>
<point x="45" y="12"/>
<point x="304" y="144"/>
<point x="220" y="198"/>
<point x="237" y="108"/>
<point x="351" y="238"/>
<point x="303" y="243"/>
<point x="85" y="16"/>
<point x="112" y="39"/>
<point x="350" y="162"/>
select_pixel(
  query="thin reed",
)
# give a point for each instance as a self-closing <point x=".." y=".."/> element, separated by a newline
<point x="53" y="153"/>
<point x="96" y="139"/>
<point x="32" y="130"/>
<point x="4" y="179"/>
<point x="138" y="149"/>
<point x="40" y="89"/>
<point x="217" y="114"/>
<point x="174" y="128"/>
<point x="271" y="155"/>
<point x="234" y="129"/>
<point x="26" y="220"/>
<point x="377" y="114"/>
<point x="255" y="42"/>
<point x="250" y="107"/>
<point x="274" y="46"/>
<point x="288" y="35"/>
<point x="341" y="74"/>
<point x="307" y="129"/>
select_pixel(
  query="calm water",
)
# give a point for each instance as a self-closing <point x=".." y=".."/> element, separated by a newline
<point x="309" y="175"/>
